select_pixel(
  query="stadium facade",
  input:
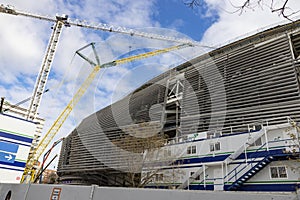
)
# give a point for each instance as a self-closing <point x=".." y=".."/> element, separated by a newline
<point x="230" y="93"/>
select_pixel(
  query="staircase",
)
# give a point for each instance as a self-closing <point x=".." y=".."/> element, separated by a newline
<point x="251" y="172"/>
<point x="262" y="159"/>
<point x="192" y="178"/>
<point x="243" y="172"/>
<point x="229" y="159"/>
<point x="244" y="146"/>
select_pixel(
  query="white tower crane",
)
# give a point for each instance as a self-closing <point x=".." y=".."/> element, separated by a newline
<point x="61" y="21"/>
<point x="42" y="78"/>
<point x="45" y="68"/>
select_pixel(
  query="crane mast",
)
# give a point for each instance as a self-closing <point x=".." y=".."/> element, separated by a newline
<point x="45" y="68"/>
<point x="42" y="77"/>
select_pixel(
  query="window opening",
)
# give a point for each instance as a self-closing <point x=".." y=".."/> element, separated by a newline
<point x="278" y="172"/>
<point x="215" y="146"/>
<point x="191" y="150"/>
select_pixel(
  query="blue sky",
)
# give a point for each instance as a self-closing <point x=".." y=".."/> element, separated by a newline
<point x="24" y="40"/>
<point x="175" y="14"/>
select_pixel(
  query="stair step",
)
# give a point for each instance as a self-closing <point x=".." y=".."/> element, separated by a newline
<point x="256" y="168"/>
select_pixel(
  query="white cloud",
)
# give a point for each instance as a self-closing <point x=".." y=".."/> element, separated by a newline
<point x="24" y="40"/>
<point x="231" y="25"/>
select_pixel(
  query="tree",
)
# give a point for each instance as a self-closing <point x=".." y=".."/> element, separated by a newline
<point x="147" y="154"/>
<point x="155" y="161"/>
<point x="52" y="178"/>
<point x="140" y="152"/>
<point x="276" y="6"/>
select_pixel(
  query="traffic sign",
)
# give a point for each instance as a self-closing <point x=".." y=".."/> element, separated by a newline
<point x="7" y="157"/>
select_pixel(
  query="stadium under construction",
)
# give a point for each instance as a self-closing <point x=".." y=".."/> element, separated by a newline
<point x="234" y="91"/>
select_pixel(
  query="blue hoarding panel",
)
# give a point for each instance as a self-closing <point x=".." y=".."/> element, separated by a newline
<point x="7" y="157"/>
<point x="8" y="147"/>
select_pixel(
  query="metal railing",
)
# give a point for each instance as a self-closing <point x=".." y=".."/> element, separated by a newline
<point x="243" y="164"/>
<point x="242" y="167"/>
<point x="243" y="128"/>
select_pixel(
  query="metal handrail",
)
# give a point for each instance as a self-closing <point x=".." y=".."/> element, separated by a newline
<point x="251" y="158"/>
<point x="242" y="164"/>
<point x="184" y="138"/>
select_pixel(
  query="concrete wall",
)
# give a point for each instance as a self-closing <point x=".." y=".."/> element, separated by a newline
<point x="65" y="192"/>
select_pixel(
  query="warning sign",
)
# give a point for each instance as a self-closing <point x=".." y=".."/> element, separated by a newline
<point x="55" y="194"/>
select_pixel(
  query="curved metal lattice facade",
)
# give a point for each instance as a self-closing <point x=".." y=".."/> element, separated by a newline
<point x="259" y="76"/>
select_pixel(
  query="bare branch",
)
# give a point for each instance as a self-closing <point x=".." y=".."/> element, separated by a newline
<point x="282" y="10"/>
<point x="253" y="4"/>
<point x="192" y="3"/>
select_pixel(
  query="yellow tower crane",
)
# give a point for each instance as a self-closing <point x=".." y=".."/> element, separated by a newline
<point x="29" y="172"/>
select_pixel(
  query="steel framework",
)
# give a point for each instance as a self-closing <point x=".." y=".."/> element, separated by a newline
<point x="260" y="75"/>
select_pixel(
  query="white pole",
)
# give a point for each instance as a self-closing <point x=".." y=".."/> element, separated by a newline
<point x="226" y="168"/>
<point x="222" y="175"/>
<point x="266" y="137"/>
<point x="204" y="175"/>
<point x="246" y="154"/>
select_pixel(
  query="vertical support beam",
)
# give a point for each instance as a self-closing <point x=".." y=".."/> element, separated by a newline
<point x="163" y="114"/>
<point x="245" y="147"/>
<point x="226" y="169"/>
<point x="204" y="176"/>
<point x="222" y="175"/>
<point x="1" y="104"/>
<point x="177" y="104"/>
<point x="266" y="138"/>
<point x="44" y="71"/>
